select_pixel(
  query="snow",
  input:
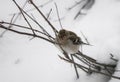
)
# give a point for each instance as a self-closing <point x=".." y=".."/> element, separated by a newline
<point x="24" y="60"/>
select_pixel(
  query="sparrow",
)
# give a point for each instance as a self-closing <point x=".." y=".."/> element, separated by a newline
<point x="69" y="41"/>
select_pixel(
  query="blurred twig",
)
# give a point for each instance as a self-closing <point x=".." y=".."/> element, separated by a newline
<point x="1" y="35"/>
<point x="84" y="5"/>
<point x="86" y="68"/>
<point x="58" y="15"/>
<point x="54" y="29"/>
<point x="14" y="19"/>
<point x="75" y="66"/>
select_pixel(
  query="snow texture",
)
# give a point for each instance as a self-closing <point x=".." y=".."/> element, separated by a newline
<point x="22" y="60"/>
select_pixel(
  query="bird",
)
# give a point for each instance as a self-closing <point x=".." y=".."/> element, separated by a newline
<point x="69" y="41"/>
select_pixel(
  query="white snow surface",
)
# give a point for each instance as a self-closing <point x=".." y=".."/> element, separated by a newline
<point x="24" y="60"/>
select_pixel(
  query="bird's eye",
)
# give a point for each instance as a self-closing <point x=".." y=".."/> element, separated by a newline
<point x="75" y="40"/>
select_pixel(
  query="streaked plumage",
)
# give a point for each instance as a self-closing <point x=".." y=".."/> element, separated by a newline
<point x="69" y="41"/>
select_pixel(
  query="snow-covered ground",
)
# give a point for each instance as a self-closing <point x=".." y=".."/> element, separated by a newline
<point x="24" y="60"/>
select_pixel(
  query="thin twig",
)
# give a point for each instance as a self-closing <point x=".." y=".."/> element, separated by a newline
<point x="77" y="3"/>
<point x="88" y="4"/>
<point x="87" y="57"/>
<point x="28" y="34"/>
<point x="75" y="66"/>
<point x="86" y="62"/>
<point x="27" y="28"/>
<point x="94" y="61"/>
<point x="58" y="15"/>
<point x="49" y="13"/>
<point x="112" y="57"/>
<point x="85" y="37"/>
<point x="41" y="27"/>
<point x="54" y="29"/>
<point x="46" y="3"/>
<point x="70" y="61"/>
<point x="24" y="17"/>
<point x="81" y="60"/>
<point x="8" y="26"/>
<point x="79" y="13"/>
<point x="19" y="14"/>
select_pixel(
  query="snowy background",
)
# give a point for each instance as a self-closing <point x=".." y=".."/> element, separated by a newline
<point x="24" y="60"/>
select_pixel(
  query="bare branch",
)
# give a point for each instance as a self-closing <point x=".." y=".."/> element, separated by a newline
<point x="49" y="13"/>
<point x="19" y="14"/>
<point x="24" y="16"/>
<point x="28" y="34"/>
<point x="45" y="3"/>
<point x="8" y="27"/>
<point x="85" y="38"/>
<point x="41" y="27"/>
<point x="24" y="27"/>
<point x="112" y="57"/>
<point x="75" y="66"/>
<point x="77" y="3"/>
<point x="58" y="15"/>
<point x="54" y="29"/>
<point x="81" y="66"/>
